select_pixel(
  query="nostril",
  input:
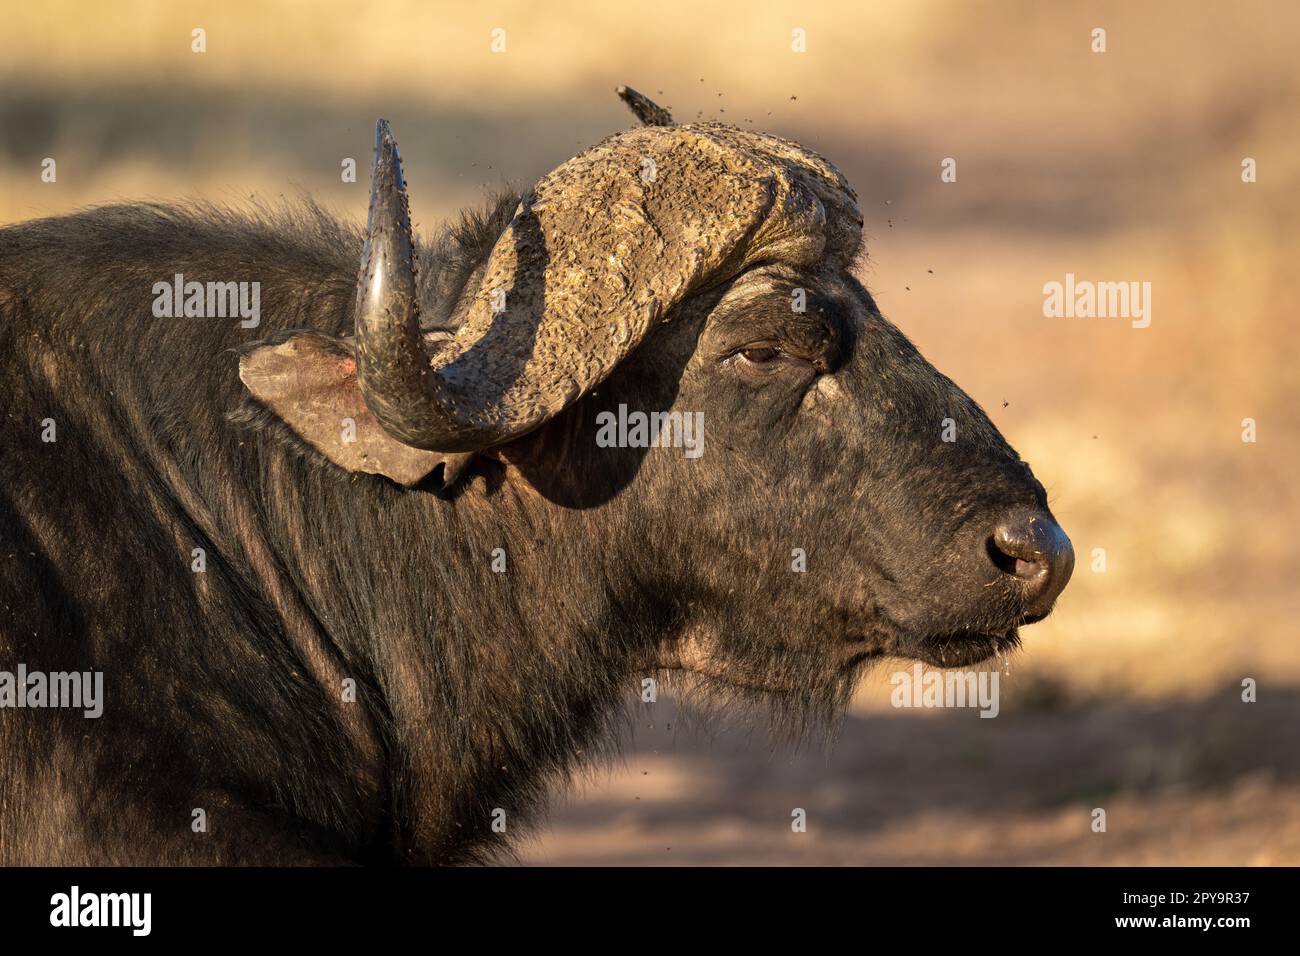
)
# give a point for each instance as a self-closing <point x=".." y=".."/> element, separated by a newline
<point x="1004" y="560"/>
<point x="1032" y="546"/>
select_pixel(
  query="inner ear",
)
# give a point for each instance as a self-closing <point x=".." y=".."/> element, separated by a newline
<point x="308" y="380"/>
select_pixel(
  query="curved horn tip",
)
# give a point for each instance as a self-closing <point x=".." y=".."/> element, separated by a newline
<point x="393" y="372"/>
<point x="647" y="110"/>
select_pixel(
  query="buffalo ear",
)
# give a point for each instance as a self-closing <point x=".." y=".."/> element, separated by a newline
<point x="309" y="381"/>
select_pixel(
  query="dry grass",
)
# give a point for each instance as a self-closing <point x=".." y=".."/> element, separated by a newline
<point x="1116" y="166"/>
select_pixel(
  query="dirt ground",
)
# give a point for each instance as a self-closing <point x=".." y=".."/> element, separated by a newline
<point x="1190" y="782"/>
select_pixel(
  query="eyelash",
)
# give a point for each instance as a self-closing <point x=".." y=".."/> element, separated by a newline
<point x="768" y="357"/>
<point x="768" y="354"/>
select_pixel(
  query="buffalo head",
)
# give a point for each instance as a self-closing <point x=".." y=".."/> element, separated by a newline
<point x="850" y="502"/>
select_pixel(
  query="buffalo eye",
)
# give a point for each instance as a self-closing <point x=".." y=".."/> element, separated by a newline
<point x="759" y="356"/>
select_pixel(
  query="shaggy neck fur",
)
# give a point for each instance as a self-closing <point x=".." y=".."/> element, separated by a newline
<point x="485" y="683"/>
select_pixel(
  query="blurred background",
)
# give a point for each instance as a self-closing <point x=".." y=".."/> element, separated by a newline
<point x="1117" y="166"/>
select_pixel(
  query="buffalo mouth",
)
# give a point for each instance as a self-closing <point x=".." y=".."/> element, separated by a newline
<point x="965" y="649"/>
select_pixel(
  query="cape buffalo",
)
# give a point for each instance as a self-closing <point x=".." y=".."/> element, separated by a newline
<point x="355" y="574"/>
